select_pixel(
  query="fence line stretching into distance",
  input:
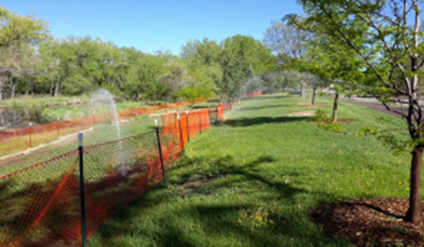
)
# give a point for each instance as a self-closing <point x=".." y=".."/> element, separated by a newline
<point x="41" y="205"/>
<point x="22" y="139"/>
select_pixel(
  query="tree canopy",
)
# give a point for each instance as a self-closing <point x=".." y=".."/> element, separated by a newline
<point x="34" y="62"/>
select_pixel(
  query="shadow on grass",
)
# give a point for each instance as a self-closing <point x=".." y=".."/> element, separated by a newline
<point x="266" y="97"/>
<point x="244" y="122"/>
<point x="254" y="108"/>
<point x="209" y="222"/>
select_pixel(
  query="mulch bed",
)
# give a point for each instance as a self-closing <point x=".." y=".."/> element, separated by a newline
<point x="370" y="222"/>
<point x="345" y="121"/>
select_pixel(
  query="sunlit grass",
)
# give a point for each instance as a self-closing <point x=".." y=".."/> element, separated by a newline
<point x="253" y="180"/>
<point x="100" y="133"/>
<point x="41" y="100"/>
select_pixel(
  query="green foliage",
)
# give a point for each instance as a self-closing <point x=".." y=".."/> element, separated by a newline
<point x="320" y="116"/>
<point x="324" y="121"/>
<point x="32" y="63"/>
<point x="387" y="137"/>
<point x="242" y="58"/>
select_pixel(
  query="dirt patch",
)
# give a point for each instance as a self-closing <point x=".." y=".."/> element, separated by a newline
<point x="312" y="106"/>
<point x="345" y="121"/>
<point x="302" y="114"/>
<point x="370" y="222"/>
<point x="194" y="185"/>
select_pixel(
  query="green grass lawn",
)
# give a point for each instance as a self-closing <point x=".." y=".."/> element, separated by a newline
<point x="68" y="112"/>
<point x="102" y="132"/>
<point x="254" y="180"/>
<point x="42" y="100"/>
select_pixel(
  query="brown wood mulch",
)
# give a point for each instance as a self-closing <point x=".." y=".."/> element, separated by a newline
<point x="345" y="120"/>
<point x="378" y="107"/>
<point x="370" y="222"/>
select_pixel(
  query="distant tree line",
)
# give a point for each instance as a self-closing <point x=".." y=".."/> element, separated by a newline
<point x="32" y="62"/>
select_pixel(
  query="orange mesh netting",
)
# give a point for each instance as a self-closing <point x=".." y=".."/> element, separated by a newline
<point x="220" y="112"/>
<point x="40" y="205"/>
<point x="183" y="125"/>
<point x="22" y="139"/>
<point x="254" y="94"/>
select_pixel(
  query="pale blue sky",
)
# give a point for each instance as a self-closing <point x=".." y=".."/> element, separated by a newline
<point x="150" y="25"/>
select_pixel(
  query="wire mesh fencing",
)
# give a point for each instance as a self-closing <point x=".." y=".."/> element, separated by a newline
<point x="41" y="204"/>
<point x="26" y="138"/>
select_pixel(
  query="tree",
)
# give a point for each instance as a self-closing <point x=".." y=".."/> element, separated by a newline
<point x="144" y="77"/>
<point x="331" y="64"/>
<point x="286" y="40"/>
<point x="289" y="43"/>
<point x="242" y="57"/>
<point x="386" y="35"/>
<point x="18" y="37"/>
<point x="205" y="72"/>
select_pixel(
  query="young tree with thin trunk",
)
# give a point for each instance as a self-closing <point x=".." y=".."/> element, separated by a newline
<point x="387" y="35"/>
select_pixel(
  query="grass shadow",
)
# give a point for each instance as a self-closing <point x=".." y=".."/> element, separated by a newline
<point x="212" y="224"/>
<point x="254" y="108"/>
<point x="267" y="97"/>
<point x="245" y="122"/>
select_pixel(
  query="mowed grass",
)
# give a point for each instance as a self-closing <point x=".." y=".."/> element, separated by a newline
<point x="27" y="100"/>
<point x="253" y="180"/>
<point x="100" y="133"/>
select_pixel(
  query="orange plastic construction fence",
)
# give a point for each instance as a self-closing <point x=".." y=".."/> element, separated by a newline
<point x="220" y="112"/>
<point x="40" y="205"/>
<point x="18" y="140"/>
<point x="254" y="94"/>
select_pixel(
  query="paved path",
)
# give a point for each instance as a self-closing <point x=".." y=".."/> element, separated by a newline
<point x="377" y="107"/>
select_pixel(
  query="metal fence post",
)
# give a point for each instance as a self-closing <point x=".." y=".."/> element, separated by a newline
<point x="217" y="113"/>
<point x="82" y="192"/>
<point x="160" y="152"/>
<point x="58" y="128"/>
<point x="200" y="122"/>
<point x="30" y="135"/>
<point x="188" y="126"/>
<point x="181" y="132"/>
<point x="94" y="118"/>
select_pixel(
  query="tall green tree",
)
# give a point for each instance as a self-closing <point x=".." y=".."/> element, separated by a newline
<point x="205" y="72"/>
<point x="386" y="35"/>
<point x="242" y="58"/>
<point x="19" y="35"/>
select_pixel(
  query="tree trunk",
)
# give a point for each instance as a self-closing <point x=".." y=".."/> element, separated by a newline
<point x="56" y="90"/>
<point x="336" y="102"/>
<point x="28" y="86"/>
<point x="1" y="89"/>
<point x="314" y="91"/>
<point x="51" y="88"/>
<point x="302" y="90"/>
<point x="13" y="91"/>
<point x="414" y="212"/>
